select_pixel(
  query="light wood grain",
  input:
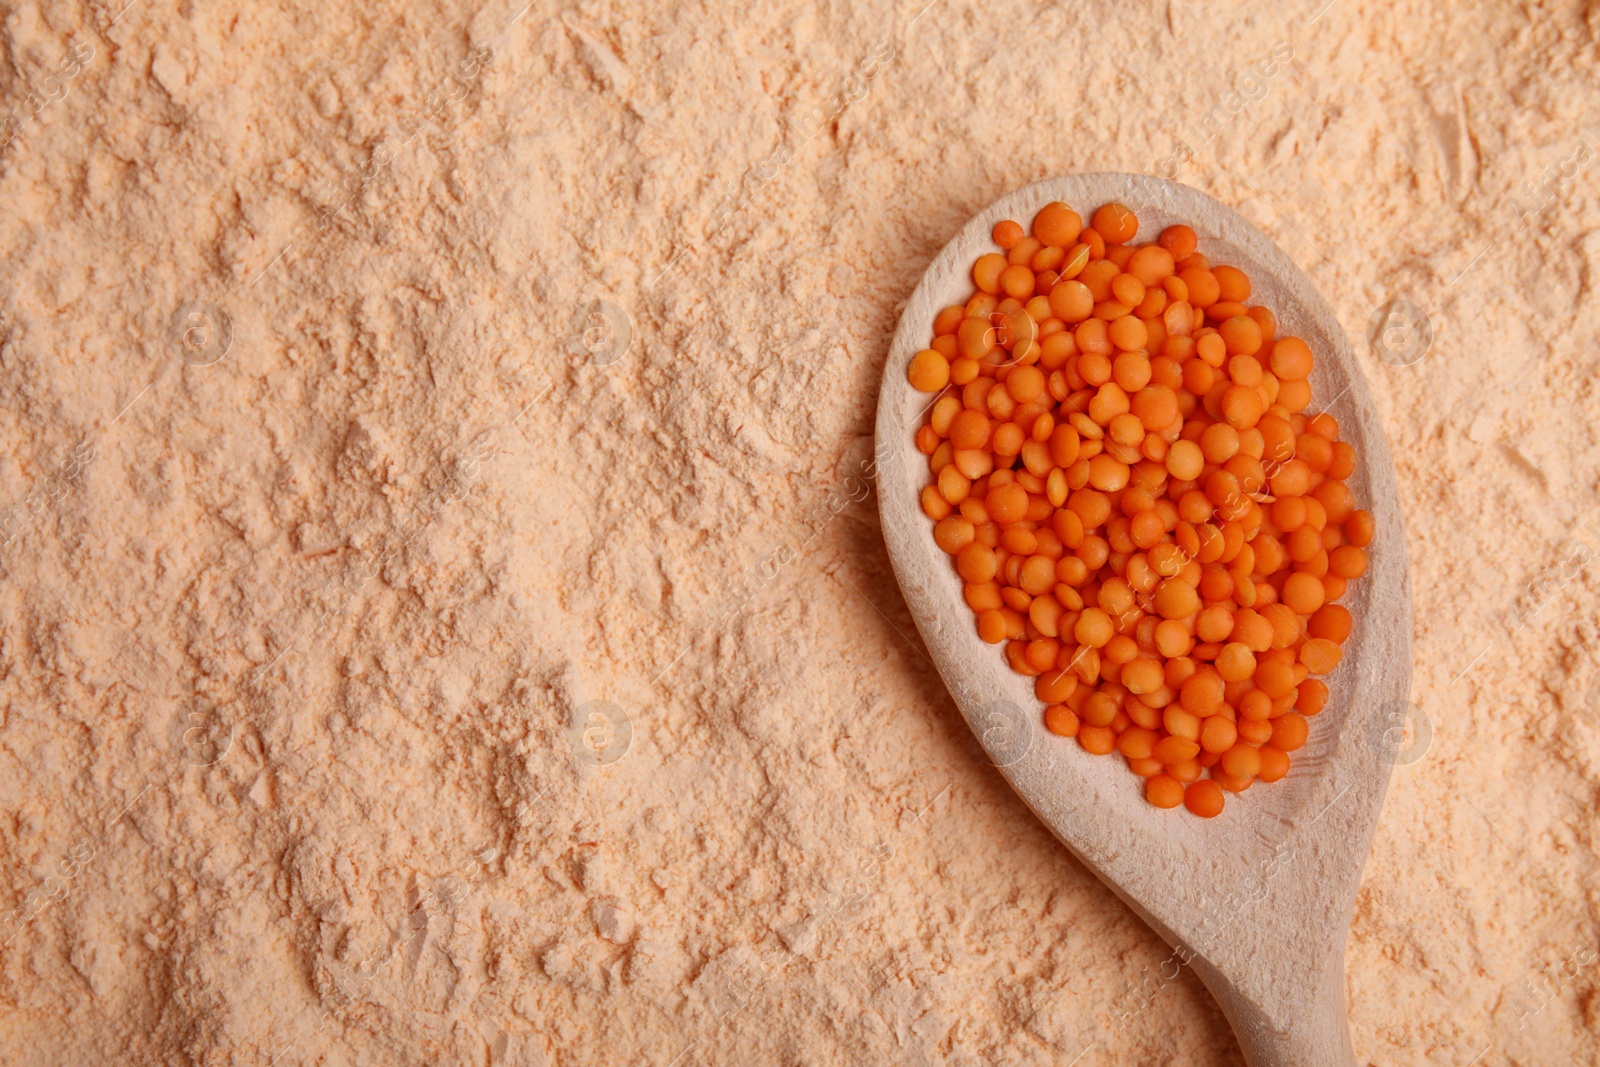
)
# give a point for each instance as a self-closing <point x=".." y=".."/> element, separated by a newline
<point x="1292" y="851"/>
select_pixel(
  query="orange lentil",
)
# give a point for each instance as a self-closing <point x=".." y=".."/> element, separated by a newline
<point x="1152" y="265"/>
<point x="1139" y="513"/>
<point x="1007" y="233"/>
<point x="1274" y="764"/>
<point x="1342" y="463"/>
<point x="1266" y="321"/>
<point x="1017" y="281"/>
<point x="1348" y="561"/>
<point x="1233" y="284"/>
<point x="977" y="563"/>
<point x="1275" y="678"/>
<point x="1251" y="630"/>
<point x="1024" y="250"/>
<point x="1358" y="528"/>
<point x="1172" y="749"/>
<point x="929" y="371"/>
<point x="1219" y="442"/>
<point x="1129" y="334"/>
<point x="1227" y="781"/>
<point x="1119" y="255"/>
<point x="1242" y="406"/>
<point x="1054" y="685"/>
<point x="1242" y="761"/>
<point x="1242" y="336"/>
<point x="1127" y="289"/>
<point x="1218" y="734"/>
<point x="1046" y="260"/>
<point x="1007" y="503"/>
<point x="1181" y="723"/>
<point x="1320" y="655"/>
<point x="1061" y="720"/>
<point x="992" y="626"/>
<point x="1071" y="301"/>
<point x="1115" y="223"/>
<point x="1311" y="696"/>
<point x="1057" y="224"/>
<point x="1137" y="742"/>
<point x="1291" y="359"/>
<point x="1331" y="621"/>
<point x="1201" y="694"/>
<point x="1255" y="731"/>
<point x="1163" y="791"/>
<point x="1099" y="740"/>
<point x="1324" y="425"/>
<point x="1145" y="768"/>
<point x="1202" y="284"/>
<point x="1097" y="278"/>
<point x="1203" y="798"/>
<point x="969" y="430"/>
<point x="1143" y="676"/>
<point x="1180" y="241"/>
<point x="986" y="272"/>
<point x="1185" y="772"/>
<point x="1303" y="593"/>
<point x="1289" y="731"/>
<point x="1235" y="662"/>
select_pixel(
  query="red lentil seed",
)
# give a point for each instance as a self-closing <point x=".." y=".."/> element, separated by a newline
<point x="1136" y="507"/>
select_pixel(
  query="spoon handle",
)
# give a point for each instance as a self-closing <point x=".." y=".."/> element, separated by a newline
<point x="1319" y="1036"/>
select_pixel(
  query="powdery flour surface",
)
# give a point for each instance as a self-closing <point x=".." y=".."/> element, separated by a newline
<point x="334" y="496"/>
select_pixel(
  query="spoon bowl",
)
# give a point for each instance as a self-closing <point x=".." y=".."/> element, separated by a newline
<point x="1257" y="900"/>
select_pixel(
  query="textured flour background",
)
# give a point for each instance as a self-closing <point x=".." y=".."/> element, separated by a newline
<point x="291" y="640"/>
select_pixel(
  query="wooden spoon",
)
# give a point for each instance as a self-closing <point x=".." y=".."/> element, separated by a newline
<point x="1257" y="900"/>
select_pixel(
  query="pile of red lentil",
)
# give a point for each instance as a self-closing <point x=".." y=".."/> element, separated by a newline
<point x="1138" y="506"/>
